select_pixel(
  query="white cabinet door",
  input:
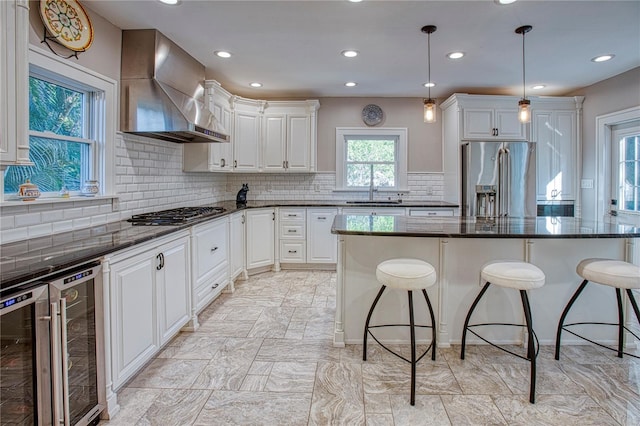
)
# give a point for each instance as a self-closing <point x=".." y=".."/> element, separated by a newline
<point x="260" y="237"/>
<point x="556" y="143"/>
<point x="14" y="82"/>
<point x="221" y="154"/>
<point x="298" y="143"/>
<point x="236" y="246"/>
<point x="246" y="140"/>
<point x="493" y="123"/>
<point x="174" y="288"/>
<point x="275" y="143"/>
<point x="322" y="245"/>
<point x="134" y="336"/>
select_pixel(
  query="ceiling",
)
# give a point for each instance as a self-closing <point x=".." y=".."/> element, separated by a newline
<point x="293" y="47"/>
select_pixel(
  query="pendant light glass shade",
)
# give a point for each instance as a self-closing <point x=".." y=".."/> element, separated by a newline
<point x="524" y="105"/>
<point x="430" y="115"/>
<point x="429" y="111"/>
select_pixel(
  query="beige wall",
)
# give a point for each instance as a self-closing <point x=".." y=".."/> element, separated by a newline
<point x="425" y="140"/>
<point x="611" y="95"/>
<point x="103" y="56"/>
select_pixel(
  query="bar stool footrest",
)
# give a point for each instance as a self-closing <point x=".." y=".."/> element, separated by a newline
<point x="564" y="327"/>
<point x="429" y="348"/>
<point x="535" y="338"/>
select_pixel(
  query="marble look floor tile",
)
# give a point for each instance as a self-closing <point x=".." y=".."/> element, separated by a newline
<point x="291" y="377"/>
<point x="468" y="410"/>
<point x="226" y="328"/>
<point x="196" y="345"/>
<point x="235" y="348"/>
<point x="318" y="330"/>
<point x="428" y="410"/>
<point x="133" y="404"/>
<point x="169" y="374"/>
<point x="227" y="375"/>
<point x="313" y="314"/>
<point x="550" y="379"/>
<point x="273" y="322"/>
<point x="478" y="379"/>
<point x="255" y="300"/>
<point x="254" y="383"/>
<point x="377" y="403"/>
<point x="395" y="378"/>
<point x="591" y="354"/>
<point x="255" y="408"/>
<point x="338" y="397"/>
<point x="175" y="406"/>
<point x="379" y="420"/>
<point x="245" y="313"/>
<point x="553" y="410"/>
<point x="297" y="350"/>
<point x="620" y="399"/>
<point x="261" y="367"/>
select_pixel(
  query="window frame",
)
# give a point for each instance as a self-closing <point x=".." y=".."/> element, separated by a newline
<point x="398" y="133"/>
<point x="103" y="113"/>
<point x="619" y="132"/>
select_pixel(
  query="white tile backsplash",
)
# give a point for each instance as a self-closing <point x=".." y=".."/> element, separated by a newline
<point x="149" y="177"/>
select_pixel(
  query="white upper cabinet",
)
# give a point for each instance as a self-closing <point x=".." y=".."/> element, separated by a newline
<point x="555" y="131"/>
<point x="289" y="143"/>
<point x="14" y="83"/>
<point x="247" y="121"/>
<point x="493" y="123"/>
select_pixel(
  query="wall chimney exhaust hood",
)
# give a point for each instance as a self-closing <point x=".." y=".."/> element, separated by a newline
<point x="162" y="91"/>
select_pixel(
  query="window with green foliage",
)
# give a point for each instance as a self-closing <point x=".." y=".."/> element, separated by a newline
<point x="60" y="126"/>
<point x="365" y="156"/>
<point x="626" y="158"/>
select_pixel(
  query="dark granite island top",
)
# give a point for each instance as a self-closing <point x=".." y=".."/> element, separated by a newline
<point x="464" y="227"/>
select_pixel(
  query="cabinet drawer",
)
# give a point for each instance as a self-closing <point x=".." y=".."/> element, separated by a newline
<point x="292" y="251"/>
<point x="210" y="248"/>
<point x="296" y="231"/>
<point x="292" y="215"/>
<point x="426" y="212"/>
<point x="206" y="292"/>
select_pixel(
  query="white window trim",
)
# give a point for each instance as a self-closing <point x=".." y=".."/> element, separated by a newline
<point x="618" y="133"/>
<point x="105" y="114"/>
<point x="604" y="124"/>
<point x="393" y="132"/>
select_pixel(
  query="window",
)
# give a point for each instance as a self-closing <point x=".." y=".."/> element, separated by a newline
<point x="626" y="162"/>
<point x="367" y="155"/>
<point x="72" y="112"/>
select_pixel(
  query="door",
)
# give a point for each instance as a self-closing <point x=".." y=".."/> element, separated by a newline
<point x="479" y="175"/>
<point x="625" y="172"/>
<point x="518" y="190"/>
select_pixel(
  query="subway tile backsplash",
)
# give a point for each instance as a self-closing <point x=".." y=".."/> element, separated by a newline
<point x="149" y="177"/>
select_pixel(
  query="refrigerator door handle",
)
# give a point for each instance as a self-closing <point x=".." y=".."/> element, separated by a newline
<point x="64" y="358"/>
<point x="506" y="184"/>
<point x="500" y="192"/>
<point x="55" y="364"/>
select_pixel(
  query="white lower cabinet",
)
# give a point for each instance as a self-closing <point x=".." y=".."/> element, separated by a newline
<point x="210" y="262"/>
<point x="149" y="291"/>
<point x="236" y="245"/>
<point x="260" y="237"/>
<point x="322" y="245"/>
<point x="292" y="235"/>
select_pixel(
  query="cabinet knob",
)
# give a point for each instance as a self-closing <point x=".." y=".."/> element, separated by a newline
<point x="214" y="249"/>
<point x="215" y="286"/>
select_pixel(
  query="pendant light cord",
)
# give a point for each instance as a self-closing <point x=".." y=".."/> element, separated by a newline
<point x="429" y="64"/>
<point x="524" y="95"/>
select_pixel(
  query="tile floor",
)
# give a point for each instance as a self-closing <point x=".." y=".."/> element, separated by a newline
<point x="264" y="356"/>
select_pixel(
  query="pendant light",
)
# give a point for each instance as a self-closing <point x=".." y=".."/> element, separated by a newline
<point x="524" y="105"/>
<point x="429" y="104"/>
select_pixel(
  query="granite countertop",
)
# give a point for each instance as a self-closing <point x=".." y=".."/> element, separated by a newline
<point x="465" y="227"/>
<point x="35" y="258"/>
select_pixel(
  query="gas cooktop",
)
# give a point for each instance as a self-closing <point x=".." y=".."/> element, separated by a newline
<point x="177" y="216"/>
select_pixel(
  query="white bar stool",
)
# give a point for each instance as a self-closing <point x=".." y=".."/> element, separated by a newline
<point x="409" y="275"/>
<point x="614" y="273"/>
<point x="522" y="276"/>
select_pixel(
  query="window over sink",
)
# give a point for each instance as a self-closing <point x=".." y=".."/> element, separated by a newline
<point x="363" y="154"/>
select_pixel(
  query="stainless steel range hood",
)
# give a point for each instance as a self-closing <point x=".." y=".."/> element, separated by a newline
<point x="162" y="91"/>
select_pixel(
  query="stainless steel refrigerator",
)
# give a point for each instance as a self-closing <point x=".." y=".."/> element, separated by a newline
<point x="499" y="179"/>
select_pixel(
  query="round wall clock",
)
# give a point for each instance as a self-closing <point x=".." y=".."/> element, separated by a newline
<point x="372" y="115"/>
<point x="68" y="23"/>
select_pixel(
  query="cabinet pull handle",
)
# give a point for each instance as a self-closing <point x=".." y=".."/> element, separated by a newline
<point x="292" y="230"/>
<point x="214" y="286"/>
<point x="222" y="162"/>
<point x="293" y="251"/>
<point x="431" y="213"/>
<point x="287" y="163"/>
<point x="242" y="220"/>
<point x="292" y="215"/>
<point x="214" y="249"/>
<point x="160" y="258"/>
<point x="235" y="163"/>
<point x="322" y="218"/>
<point x="273" y="216"/>
<point x="284" y="164"/>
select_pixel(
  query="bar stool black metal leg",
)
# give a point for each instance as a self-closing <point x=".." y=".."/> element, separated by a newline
<point x="466" y="321"/>
<point x="564" y="315"/>
<point x="433" y="326"/>
<point x="531" y="350"/>
<point x="620" y="323"/>
<point x="634" y="304"/>
<point x="366" y="324"/>
<point x="413" y="349"/>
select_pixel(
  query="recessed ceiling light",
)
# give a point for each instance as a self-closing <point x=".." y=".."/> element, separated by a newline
<point x="255" y="84"/>
<point x="172" y="2"/>
<point x="603" y="58"/>
<point x="351" y="84"/>
<point x="455" y="55"/>
<point x="505" y="1"/>
<point x="222" y="54"/>
<point x="349" y="53"/>
<point x="355" y="1"/>
<point x="429" y="84"/>
<point x="538" y="86"/>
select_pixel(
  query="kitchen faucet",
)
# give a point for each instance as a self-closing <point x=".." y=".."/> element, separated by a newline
<point x="371" y="187"/>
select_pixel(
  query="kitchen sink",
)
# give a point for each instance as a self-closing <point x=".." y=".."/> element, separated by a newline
<point x="375" y="202"/>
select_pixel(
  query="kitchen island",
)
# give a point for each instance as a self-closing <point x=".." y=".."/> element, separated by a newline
<point x="458" y="247"/>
